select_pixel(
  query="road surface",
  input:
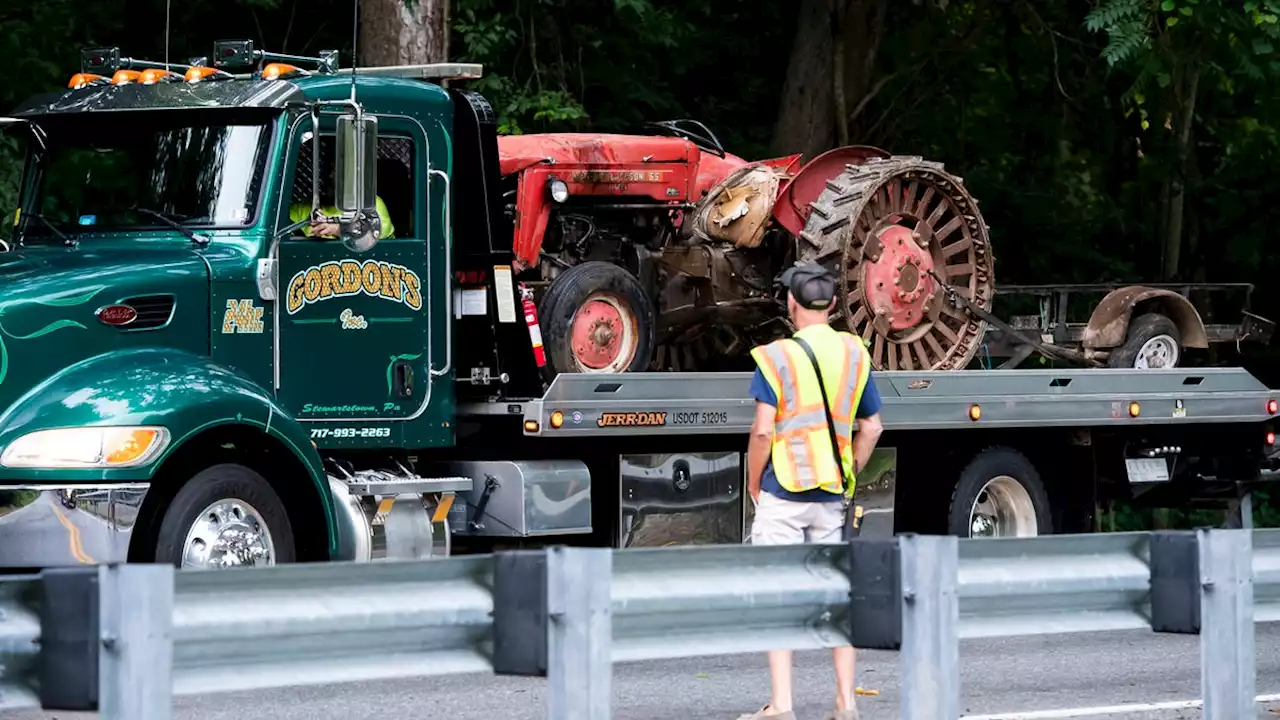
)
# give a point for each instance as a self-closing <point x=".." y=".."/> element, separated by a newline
<point x="52" y="534"/>
<point x="999" y="679"/>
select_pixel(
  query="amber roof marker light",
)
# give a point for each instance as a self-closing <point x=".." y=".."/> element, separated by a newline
<point x="199" y="73"/>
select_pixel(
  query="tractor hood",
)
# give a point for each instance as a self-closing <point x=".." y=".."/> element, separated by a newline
<point x="60" y="305"/>
<point x="621" y="153"/>
<point x="597" y="150"/>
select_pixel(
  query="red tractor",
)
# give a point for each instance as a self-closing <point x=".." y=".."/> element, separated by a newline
<point x="660" y="252"/>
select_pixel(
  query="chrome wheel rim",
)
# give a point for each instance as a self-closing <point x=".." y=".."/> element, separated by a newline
<point x="1003" y="508"/>
<point x="228" y="533"/>
<point x="1157" y="353"/>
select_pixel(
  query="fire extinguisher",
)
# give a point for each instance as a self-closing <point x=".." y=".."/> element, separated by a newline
<point x="535" y="333"/>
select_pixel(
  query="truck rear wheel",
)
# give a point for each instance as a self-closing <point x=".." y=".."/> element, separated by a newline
<point x="597" y="318"/>
<point x="999" y="494"/>
<point x="225" y="516"/>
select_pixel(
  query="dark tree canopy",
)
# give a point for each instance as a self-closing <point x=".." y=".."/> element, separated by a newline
<point x="1109" y="140"/>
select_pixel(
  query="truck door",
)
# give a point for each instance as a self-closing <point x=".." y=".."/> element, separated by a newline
<point x="353" y="334"/>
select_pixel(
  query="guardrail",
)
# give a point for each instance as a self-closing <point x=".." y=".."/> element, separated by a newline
<point x="123" y="640"/>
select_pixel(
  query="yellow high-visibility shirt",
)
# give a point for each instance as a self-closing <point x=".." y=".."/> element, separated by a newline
<point x="301" y="211"/>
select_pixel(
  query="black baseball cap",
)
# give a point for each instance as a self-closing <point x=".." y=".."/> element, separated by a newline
<point x="812" y="285"/>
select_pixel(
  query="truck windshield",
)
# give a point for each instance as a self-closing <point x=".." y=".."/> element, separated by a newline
<point x="199" y="175"/>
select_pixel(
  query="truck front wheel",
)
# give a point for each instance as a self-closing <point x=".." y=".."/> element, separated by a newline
<point x="1000" y="494"/>
<point x="225" y="516"/>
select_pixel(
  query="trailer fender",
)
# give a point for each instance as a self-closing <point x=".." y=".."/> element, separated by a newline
<point x="796" y="196"/>
<point x="1109" y="322"/>
<point x="182" y="392"/>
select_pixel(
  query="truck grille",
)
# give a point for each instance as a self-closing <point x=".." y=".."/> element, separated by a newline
<point x="154" y="311"/>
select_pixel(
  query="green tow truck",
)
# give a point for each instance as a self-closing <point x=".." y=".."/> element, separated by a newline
<point x="193" y="372"/>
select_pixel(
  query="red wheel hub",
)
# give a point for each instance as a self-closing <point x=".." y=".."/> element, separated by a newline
<point x="895" y="276"/>
<point x="597" y="334"/>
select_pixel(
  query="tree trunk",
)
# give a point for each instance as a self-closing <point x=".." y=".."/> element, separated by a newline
<point x="806" y="116"/>
<point x="403" y="32"/>
<point x="1177" y="194"/>
<point x="861" y="32"/>
<point x="839" y="53"/>
<point x="829" y="74"/>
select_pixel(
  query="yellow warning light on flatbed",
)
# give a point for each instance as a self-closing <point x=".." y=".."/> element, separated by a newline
<point x="557" y="419"/>
<point x="1134" y="409"/>
<point x="975" y="412"/>
<point x="531" y="426"/>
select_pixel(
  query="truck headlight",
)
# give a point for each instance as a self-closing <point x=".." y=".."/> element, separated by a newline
<point x="86" y="447"/>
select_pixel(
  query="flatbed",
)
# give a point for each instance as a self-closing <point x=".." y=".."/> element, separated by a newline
<point x="1042" y="450"/>
<point x="658" y="403"/>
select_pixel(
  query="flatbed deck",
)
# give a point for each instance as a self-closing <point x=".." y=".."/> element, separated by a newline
<point x="718" y="403"/>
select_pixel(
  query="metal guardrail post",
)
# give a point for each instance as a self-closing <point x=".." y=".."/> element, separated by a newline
<point x="1226" y="624"/>
<point x="579" y="634"/>
<point x="70" y="638"/>
<point x="19" y="644"/>
<point x="930" y="627"/>
<point x="136" y="664"/>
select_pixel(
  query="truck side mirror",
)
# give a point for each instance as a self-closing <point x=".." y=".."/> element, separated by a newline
<point x="356" y="180"/>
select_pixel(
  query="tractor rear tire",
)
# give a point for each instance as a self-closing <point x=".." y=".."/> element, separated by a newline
<point x="885" y="228"/>
<point x="597" y="318"/>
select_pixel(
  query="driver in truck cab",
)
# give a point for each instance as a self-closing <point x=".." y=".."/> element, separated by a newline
<point x="300" y="211"/>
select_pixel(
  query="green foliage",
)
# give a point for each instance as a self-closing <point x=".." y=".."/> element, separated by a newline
<point x="1126" y="25"/>
<point x="1129" y="517"/>
<point x="582" y="64"/>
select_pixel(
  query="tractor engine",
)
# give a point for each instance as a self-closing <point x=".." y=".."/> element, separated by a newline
<point x="707" y="269"/>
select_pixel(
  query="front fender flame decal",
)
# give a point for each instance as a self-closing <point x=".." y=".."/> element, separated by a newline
<point x="67" y="301"/>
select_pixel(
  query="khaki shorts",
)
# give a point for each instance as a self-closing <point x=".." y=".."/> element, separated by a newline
<point x="791" y="522"/>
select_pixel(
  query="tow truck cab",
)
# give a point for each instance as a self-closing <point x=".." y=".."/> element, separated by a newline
<point x="182" y="354"/>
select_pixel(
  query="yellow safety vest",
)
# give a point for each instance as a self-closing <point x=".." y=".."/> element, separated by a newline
<point x="301" y="211"/>
<point x="801" y="452"/>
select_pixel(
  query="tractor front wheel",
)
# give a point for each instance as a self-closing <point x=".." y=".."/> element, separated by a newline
<point x="597" y="318"/>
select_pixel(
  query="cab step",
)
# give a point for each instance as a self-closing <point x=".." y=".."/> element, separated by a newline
<point x="391" y="512"/>
<point x="379" y="482"/>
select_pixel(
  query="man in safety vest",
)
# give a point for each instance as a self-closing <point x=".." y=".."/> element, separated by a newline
<point x="800" y="494"/>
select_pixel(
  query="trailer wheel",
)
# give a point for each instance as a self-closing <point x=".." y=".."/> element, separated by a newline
<point x="1152" y="343"/>
<point x="225" y="516"/>
<point x="1000" y="494"/>
<point x="597" y="318"/>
